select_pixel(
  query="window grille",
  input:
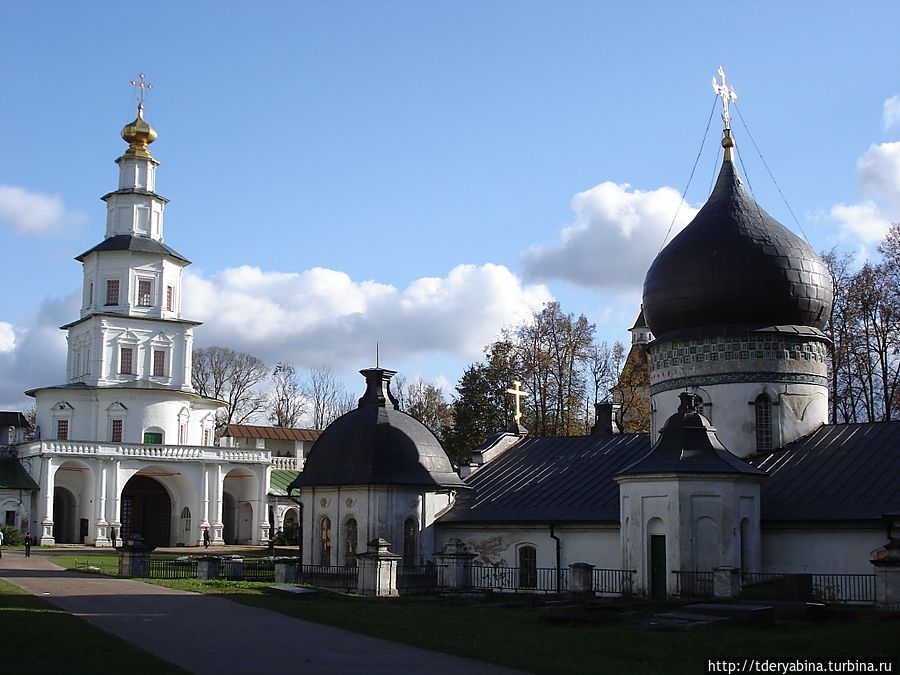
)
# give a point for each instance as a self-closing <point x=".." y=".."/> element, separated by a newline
<point x="112" y="291"/>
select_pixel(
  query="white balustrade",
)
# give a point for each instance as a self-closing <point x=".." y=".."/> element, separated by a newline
<point x="166" y="453"/>
<point x="284" y="463"/>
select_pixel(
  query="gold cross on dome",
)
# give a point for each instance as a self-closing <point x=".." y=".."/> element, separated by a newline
<point x="519" y="393"/>
<point x="141" y="85"/>
<point x="727" y="94"/>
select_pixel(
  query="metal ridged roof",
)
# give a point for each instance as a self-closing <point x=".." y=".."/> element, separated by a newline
<point x="281" y="479"/>
<point x="562" y="478"/>
<point x="13" y="475"/>
<point x="839" y="472"/>
<point x="275" y="433"/>
<point x="127" y="242"/>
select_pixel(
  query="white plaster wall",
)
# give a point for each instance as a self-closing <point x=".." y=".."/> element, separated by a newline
<point x="18" y="501"/>
<point x="799" y="410"/>
<point x="821" y="549"/>
<point x="494" y="544"/>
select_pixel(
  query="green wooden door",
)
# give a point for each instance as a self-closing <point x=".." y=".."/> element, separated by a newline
<point x="658" y="566"/>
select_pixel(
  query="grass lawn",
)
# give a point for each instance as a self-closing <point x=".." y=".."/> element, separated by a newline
<point x="41" y="638"/>
<point x="520" y="636"/>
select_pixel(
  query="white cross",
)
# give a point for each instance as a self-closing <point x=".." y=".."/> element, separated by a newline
<point x="727" y="94"/>
<point x="519" y="394"/>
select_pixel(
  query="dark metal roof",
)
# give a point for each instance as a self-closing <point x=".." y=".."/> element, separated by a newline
<point x="13" y="475"/>
<point x="734" y="264"/>
<point x="839" y="472"/>
<point x="13" y="419"/>
<point x="556" y="479"/>
<point x="274" y="433"/>
<point x="127" y="242"/>
<point x="377" y="444"/>
<point x="688" y="445"/>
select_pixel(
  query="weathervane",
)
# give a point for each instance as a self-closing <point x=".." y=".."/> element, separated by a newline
<point x="519" y="394"/>
<point x="727" y="94"/>
<point x="141" y="85"/>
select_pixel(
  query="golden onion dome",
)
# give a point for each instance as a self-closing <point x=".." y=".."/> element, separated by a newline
<point x="139" y="135"/>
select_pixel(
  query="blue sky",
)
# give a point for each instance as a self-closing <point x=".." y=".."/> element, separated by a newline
<point x="421" y="174"/>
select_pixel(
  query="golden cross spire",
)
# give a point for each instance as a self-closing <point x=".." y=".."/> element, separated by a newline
<point x="727" y="94"/>
<point x="141" y="85"/>
<point x="519" y="394"/>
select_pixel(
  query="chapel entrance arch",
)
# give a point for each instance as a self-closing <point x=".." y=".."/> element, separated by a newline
<point x="146" y="510"/>
<point x="63" y="516"/>
<point x="240" y="490"/>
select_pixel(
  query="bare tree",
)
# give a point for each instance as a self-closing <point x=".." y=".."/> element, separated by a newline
<point x="327" y="396"/>
<point x="232" y="377"/>
<point x="426" y="402"/>
<point x="287" y="405"/>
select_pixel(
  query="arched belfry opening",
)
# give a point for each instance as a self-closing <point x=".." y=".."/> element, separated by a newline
<point x="146" y="510"/>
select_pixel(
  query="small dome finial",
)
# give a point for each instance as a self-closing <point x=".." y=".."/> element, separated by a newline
<point x="139" y="134"/>
<point x="727" y="93"/>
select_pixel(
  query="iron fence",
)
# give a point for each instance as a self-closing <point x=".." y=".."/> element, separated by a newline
<point x="693" y="584"/>
<point x="515" y="579"/>
<point x="612" y="582"/>
<point x="252" y="569"/>
<point x="857" y="588"/>
<point x="161" y="568"/>
<point x="420" y="578"/>
<point x="334" y="577"/>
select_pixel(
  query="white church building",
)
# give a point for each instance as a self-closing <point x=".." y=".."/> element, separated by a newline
<point x="125" y="445"/>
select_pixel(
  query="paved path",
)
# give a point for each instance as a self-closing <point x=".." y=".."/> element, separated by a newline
<point x="206" y="634"/>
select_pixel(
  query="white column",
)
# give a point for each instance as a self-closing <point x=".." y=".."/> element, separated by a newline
<point x="204" y="522"/>
<point x="217" y="525"/>
<point x="101" y="534"/>
<point x="47" y="485"/>
<point x="263" y="501"/>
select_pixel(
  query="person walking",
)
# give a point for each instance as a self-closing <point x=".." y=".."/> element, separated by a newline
<point x="1" y="543"/>
<point x="28" y="544"/>
<point x="205" y="537"/>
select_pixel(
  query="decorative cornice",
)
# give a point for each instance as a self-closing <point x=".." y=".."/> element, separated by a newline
<point x="680" y="383"/>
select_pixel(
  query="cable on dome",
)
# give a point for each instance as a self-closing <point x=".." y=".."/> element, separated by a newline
<point x="691" y="177"/>
<point x="775" y="182"/>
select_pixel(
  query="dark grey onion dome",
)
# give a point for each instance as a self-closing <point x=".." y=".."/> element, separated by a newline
<point x="735" y="267"/>
<point x="377" y="444"/>
<point x="688" y="444"/>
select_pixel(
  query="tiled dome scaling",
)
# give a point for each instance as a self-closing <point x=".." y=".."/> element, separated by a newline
<point x="735" y="267"/>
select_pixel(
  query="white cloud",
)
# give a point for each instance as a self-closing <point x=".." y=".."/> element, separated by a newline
<point x="879" y="187"/>
<point x="864" y="221"/>
<point x="322" y="316"/>
<point x="891" y="112"/>
<point x="7" y="337"/>
<point x="33" y="212"/>
<point x="616" y="233"/>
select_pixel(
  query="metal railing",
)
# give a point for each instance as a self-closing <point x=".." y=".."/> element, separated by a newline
<point x="419" y="578"/>
<point x="248" y="569"/>
<point x="160" y="568"/>
<point x="612" y="582"/>
<point x="693" y="584"/>
<point x="514" y="579"/>
<point x="334" y="577"/>
<point x="844" y="587"/>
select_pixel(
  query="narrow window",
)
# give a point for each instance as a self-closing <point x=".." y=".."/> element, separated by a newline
<point x="527" y="567"/>
<point x="145" y="288"/>
<point x="159" y="363"/>
<point x="206" y="437"/>
<point x="410" y="543"/>
<point x="62" y="429"/>
<point x="126" y="361"/>
<point x="350" y="536"/>
<point x="10" y="519"/>
<point x="186" y="519"/>
<point x="182" y="433"/>
<point x="116" y="435"/>
<point x="91" y="295"/>
<point x="112" y="291"/>
<point x="763" y="423"/>
<point x="325" y="541"/>
<point x="170" y="298"/>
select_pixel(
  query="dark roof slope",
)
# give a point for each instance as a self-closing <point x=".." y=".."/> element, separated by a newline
<point x="13" y="419"/>
<point x="556" y="479"/>
<point x="839" y="472"/>
<point x="281" y="481"/>
<point x="127" y="242"/>
<point x="275" y="433"/>
<point x="13" y="475"/>
<point x="377" y="444"/>
<point x="688" y="445"/>
<point x="735" y="265"/>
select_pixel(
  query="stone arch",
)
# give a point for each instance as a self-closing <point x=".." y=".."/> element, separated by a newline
<point x="146" y="510"/>
<point x="410" y="542"/>
<point x="351" y="541"/>
<point x="240" y="492"/>
<point x="706" y="402"/>
<point x="72" y="517"/>
<point x="657" y="564"/>
<point x="325" y="535"/>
